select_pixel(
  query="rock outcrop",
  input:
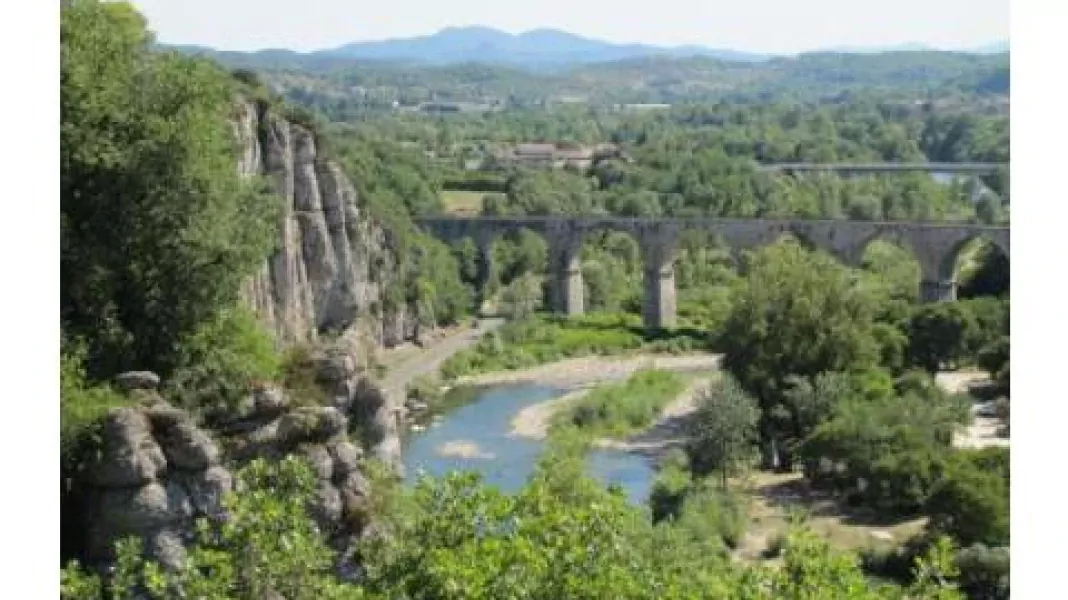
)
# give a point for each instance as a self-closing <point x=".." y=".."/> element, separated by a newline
<point x="158" y="471"/>
<point x="330" y="271"/>
<point x="333" y="260"/>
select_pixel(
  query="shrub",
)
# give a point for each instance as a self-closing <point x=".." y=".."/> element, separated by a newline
<point x="887" y="450"/>
<point x="617" y="410"/>
<point x="723" y="431"/>
<point x="711" y="513"/>
<point x="669" y="490"/>
<point x="984" y="572"/>
<point x="939" y="335"/>
<point x="219" y="364"/>
<point x="971" y="502"/>
<point x="81" y="402"/>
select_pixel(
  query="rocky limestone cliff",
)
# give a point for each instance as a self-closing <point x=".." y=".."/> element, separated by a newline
<point x="332" y="265"/>
<point x="333" y="260"/>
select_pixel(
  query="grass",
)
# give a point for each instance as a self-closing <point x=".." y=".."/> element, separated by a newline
<point x="620" y="409"/>
<point x="542" y="339"/>
<point x="463" y="201"/>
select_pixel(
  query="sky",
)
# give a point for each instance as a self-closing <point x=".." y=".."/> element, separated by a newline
<point x="769" y="26"/>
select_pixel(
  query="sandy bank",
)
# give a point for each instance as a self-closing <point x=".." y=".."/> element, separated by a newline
<point x="463" y="449"/>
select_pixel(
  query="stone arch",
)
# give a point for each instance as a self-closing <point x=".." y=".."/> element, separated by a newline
<point x="951" y="263"/>
<point x="574" y="250"/>
<point x="535" y="257"/>
<point x="872" y="245"/>
<point x="951" y="254"/>
<point x="741" y="236"/>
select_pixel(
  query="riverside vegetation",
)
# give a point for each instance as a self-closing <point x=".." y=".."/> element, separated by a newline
<point x="829" y="368"/>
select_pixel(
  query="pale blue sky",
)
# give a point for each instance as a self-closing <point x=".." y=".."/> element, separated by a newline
<point x="778" y="26"/>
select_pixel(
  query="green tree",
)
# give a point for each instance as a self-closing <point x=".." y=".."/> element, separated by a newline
<point x="939" y="334"/>
<point x="971" y="502"/>
<point x="521" y="297"/>
<point x="799" y="314"/>
<point x="723" y="429"/>
<point x="157" y="230"/>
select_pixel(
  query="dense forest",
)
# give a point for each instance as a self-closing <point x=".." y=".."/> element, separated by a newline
<point x="349" y="86"/>
<point x="828" y="370"/>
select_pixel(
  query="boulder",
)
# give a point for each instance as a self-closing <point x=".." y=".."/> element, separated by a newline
<point x="269" y="402"/>
<point x="187" y="446"/>
<point x="355" y="484"/>
<point x="166" y="546"/>
<point x="131" y="457"/>
<point x="149" y="507"/>
<point x="321" y="462"/>
<point x="137" y="380"/>
<point x="311" y="424"/>
<point x="206" y="490"/>
<point x="346" y="457"/>
<point x="337" y="369"/>
<point x="326" y="506"/>
<point x="163" y="415"/>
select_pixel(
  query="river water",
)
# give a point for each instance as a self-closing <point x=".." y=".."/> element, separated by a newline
<point x="482" y="417"/>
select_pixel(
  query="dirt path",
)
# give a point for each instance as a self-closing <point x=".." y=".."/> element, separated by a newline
<point x="772" y="496"/>
<point x="407" y="364"/>
<point x="985" y="427"/>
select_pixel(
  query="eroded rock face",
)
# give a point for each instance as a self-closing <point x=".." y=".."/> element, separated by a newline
<point x="333" y="261"/>
<point x="330" y="271"/>
<point x="131" y="457"/>
<point x="160" y="471"/>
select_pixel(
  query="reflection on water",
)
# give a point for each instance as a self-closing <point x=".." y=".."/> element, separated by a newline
<point x="481" y="427"/>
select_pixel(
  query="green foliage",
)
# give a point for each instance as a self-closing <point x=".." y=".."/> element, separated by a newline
<point x="984" y="572"/>
<point x="543" y="339"/>
<point x="158" y="230"/>
<point x="949" y="334"/>
<point x="267" y="543"/>
<point x="938" y="335"/>
<point x="220" y="363"/>
<point x="669" y="489"/>
<point x="81" y="403"/>
<point x="713" y="516"/>
<point x="76" y="584"/>
<point x="885" y="449"/>
<point x="799" y="314"/>
<point x="723" y="431"/>
<point x="300" y="376"/>
<point x="994" y="359"/>
<point x="988" y="275"/>
<point x="618" y="410"/>
<point x="561" y="536"/>
<point x="971" y="501"/>
<point x="521" y="297"/>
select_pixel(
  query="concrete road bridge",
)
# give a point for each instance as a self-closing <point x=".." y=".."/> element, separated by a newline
<point x="935" y="245"/>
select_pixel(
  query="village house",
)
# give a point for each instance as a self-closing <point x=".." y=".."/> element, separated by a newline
<point x="555" y="155"/>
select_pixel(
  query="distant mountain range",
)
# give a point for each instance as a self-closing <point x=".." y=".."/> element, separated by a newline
<point x="536" y="49"/>
<point x="539" y="47"/>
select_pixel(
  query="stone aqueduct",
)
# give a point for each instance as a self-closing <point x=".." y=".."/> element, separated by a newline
<point x="935" y="246"/>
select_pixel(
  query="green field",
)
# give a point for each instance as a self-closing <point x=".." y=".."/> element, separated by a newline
<point x="463" y="201"/>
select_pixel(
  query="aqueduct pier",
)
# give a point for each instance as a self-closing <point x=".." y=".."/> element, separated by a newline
<point x="935" y="246"/>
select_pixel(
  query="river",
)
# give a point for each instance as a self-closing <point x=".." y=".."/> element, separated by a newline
<point x="473" y="432"/>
